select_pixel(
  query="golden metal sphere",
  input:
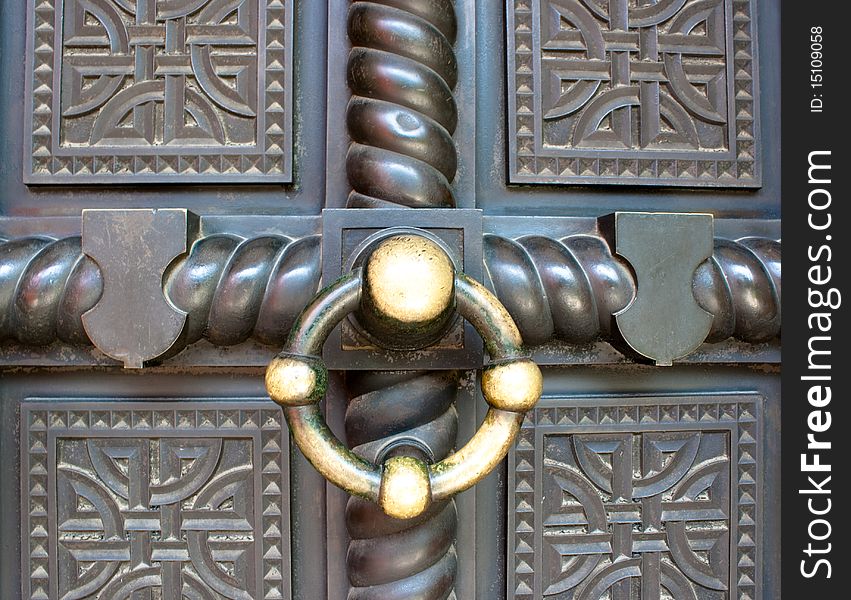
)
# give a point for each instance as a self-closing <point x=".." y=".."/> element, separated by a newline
<point x="514" y="386"/>
<point x="296" y="380"/>
<point x="409" y="279"/>
<point x="405" y="487"/>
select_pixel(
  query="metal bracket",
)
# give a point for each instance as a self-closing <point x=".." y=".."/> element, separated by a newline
<point x="664" y="322"/>
<point x="134" y="322"/>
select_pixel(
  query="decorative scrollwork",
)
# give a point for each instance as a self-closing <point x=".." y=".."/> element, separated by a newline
<point x="402" y="113"/>
<point x="570" y="289"/>
<point x="46" y="285"/>
<point x="413" y="414"/>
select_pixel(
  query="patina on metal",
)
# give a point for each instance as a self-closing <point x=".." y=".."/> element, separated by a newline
<point x="133" y="321"/>
<point x="562" y="286"/>
<point x="405" y="486"/>
<point x="664" y="321"/>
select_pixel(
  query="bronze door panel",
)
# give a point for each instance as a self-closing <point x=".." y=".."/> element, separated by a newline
<point x="184" y="177"/>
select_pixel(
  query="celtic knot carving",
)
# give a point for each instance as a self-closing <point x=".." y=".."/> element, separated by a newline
<point x="685" y="479"/>
<point x="670" y="67"/>
<point x="174" y="507"/>
<point x="164" y="89"/>
<point x="658" y="86"/>
<point x="635" y="499"/>
<point x="179" y="72"/>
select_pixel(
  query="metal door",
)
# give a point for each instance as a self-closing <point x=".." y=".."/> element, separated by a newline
<point x="180" y="180"/>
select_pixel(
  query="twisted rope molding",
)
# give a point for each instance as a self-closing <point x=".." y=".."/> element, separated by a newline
<point x="401" y="118"/>
<point x="234" y="289"/>
<point x="231" y="288"/>
<point x="402" y="113"/>
<point x="410" y="413"/>
<point x="46" y="285"/>
<point x="570" y="289"/>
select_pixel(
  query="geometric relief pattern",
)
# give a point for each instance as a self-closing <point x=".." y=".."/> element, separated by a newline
<point x="160" y="90"/>
<point x="647" y="499"/>
<point x="633" y="91"/>
<point x="154" y="501"/>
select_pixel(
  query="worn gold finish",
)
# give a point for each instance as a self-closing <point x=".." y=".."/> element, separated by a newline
<point x="295" y="380"/>
<point x="329" y="456"/>
<point x="410" y="279"/>
<point x="408" y="282"/>
<point x="405" y="487"/>
<point x="478" y="457"/>
<point x="408" y="292"/>
<point x="514" y="386"/>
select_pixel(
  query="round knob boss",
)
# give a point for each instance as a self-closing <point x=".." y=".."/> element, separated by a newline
<point x="408" y="293"/>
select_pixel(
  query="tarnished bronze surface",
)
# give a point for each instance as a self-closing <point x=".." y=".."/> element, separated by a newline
<point x="392" y="413"/>
<point x="159" y="92"/>
<point x="633" y="93"/>
<point x="133" y="249"/>
<point x="664" y="321"/>
<point x="389" y="105"/>
<point x="402" y="112"/>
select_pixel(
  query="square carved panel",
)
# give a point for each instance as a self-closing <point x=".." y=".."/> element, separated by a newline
<point x="159" y="91"/>
<point x="154" y="500"/>
<point x="637" y="92"/>
<point x="637" y="499"/>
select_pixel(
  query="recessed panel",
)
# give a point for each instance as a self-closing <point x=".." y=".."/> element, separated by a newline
<point x="632" y="92"/>
<point x="158" y="91"/>
<point x="154" y="499"/>
<point x="640" y="498"/>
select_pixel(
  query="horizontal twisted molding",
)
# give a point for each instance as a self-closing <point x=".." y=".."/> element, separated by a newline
<point x="412" y="414"/>
<point x="402" y="114"/>
<point x="569" y="289"/>
<point x="46" y="285"/>
<point x="231" y="288"/>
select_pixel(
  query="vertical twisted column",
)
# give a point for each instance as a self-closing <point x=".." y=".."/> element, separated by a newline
<point x="402" y="113"/>
<point x="412" y="414"/>
<point x="401" y="118"/>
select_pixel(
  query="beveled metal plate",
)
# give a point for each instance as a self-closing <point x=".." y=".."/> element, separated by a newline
<point x="168" y="499"/>
<point x="639" y="93"/>
<point x="638" y="497"/>
<point x="158" y="91"/>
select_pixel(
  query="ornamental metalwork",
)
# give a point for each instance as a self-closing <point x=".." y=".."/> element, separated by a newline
<point x="632" y="91"/>
<point x="639" y="498"/>
<point x="159" y="90"/>
<point x="154" y="499"/>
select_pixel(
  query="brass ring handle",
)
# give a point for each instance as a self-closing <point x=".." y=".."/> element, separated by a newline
<point x="404" y="486"/>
